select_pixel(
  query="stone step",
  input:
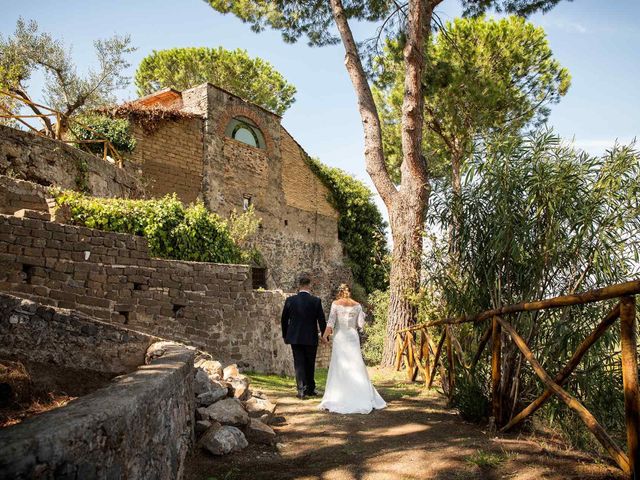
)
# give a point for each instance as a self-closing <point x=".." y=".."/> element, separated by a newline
<point x="35" y="214"/>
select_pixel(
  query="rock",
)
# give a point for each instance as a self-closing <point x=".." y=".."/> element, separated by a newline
<point x="228" y="412"/>
<point x="260" y="408"/>
<point x="202" y="383"/>
<point x="216" y="392"/>
<point x="231" y="371"/>
<point x="213" y="368"/>
<point x="258" y="432"/>
<point x="260" y="394"/>
<point x="202" y="426"/>
<point x="266" y="419"/>
<point x="240" y="385"/>
<point x="222" y="440"/>
<point x="157" y="350"/>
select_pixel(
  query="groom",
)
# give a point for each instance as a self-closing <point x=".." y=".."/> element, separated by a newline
<point x="302" y="315"/>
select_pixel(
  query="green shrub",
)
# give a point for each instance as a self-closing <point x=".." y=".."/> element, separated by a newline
<point x="375" y="329"/>
<point x="116" y="130"/>
<point x="172" y="230"/>
<point x="471" y="398"/>
<point x="242" y="229"/>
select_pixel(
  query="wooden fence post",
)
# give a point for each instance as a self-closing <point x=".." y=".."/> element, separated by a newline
<point x="496" y="349"/>
<point x="630" y="382"/>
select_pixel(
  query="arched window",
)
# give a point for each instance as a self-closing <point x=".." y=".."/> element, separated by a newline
<point x="246" y="131"/>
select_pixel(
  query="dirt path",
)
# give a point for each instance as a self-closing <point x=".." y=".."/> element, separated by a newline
<point x="416" y="437"/>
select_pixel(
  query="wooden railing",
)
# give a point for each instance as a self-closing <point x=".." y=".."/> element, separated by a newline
<point x="108" y="150"/>
<point x="418" y="352"/>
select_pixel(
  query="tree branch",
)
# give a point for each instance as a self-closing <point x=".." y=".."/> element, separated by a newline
<point x="47" y="122"/>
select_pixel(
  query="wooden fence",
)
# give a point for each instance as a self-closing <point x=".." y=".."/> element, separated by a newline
<point x="108" y="150"/>
<point x="417" y="350"/>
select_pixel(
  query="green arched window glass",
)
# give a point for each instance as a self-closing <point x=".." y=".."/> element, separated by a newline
<point x="245" y="131"/>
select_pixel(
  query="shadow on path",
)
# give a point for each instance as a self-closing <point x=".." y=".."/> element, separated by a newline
<point x="415" y="437"/>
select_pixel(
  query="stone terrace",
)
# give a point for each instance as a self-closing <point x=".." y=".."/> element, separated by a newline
<point x="111" y="277"/>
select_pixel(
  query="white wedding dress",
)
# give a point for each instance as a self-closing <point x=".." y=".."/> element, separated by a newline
<point x="348" y="388"/>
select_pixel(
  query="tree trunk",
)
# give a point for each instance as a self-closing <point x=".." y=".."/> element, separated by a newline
<point x="406" y="220"/>
<point x="408" y="204"/>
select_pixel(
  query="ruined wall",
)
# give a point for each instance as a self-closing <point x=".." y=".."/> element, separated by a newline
<point x="18" y="194"/>
<point x="138" y="427"/>
<point x="44" y="161"/>
<point x="61" y="338"/>
<point x="299" y="231"/>
<point x="170" y="157"/>
<point x="111" y="277"/>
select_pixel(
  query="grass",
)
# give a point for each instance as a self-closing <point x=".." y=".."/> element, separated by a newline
<point x="485" y="459"/>
<point x="392" y="385"/>
<point x="283" y="382"/>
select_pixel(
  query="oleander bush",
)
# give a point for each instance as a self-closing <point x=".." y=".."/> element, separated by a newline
<point x="172" y="230"/>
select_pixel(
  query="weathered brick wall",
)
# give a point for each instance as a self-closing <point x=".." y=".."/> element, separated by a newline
<point x="111" y="277"/>
<point x="18" y="194"/>
<point x="31" y="332"/>
<point x="44" y="161"/>
<point x="299" y="231"/>
<point x="170" y="157"/>
<point x="302" y="188"/>
<point x="139" y="427"/>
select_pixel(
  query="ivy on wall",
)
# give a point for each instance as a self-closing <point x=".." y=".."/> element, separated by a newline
<point x="361" y="227"/>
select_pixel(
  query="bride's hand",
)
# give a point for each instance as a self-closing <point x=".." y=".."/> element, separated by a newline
<point x="327" y="334"/>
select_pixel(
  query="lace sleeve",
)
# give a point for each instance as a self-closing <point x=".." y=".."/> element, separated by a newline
<point x="333" y="314"/>
<point x="361" y="317"/>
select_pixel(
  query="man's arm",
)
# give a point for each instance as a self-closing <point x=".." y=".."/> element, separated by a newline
<point x="284" y="320"/>
<point x="322" y="322"/>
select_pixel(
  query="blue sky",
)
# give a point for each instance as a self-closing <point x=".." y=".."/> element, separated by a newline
<point x="598" y="41"/>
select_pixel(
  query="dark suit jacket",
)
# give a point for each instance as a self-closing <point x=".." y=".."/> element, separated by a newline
<point x="302" y="315"/>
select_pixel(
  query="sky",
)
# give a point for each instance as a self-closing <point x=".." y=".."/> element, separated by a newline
<point x="598" y="41"/>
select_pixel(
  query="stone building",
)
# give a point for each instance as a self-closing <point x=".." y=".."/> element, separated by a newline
<point x="230" y="154"/>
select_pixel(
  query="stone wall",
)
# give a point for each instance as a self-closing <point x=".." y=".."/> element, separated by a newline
<point x="61" y="338"/>
<point x="170" y="157"/>
<point x="139" y="427"/>
<point x="44" y="161"/>
<point x="111" y="277"/>
<point x="18" y="194"/>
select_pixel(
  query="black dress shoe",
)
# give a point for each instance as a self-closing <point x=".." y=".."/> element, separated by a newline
<point x="315" y="393"/>
<point x="301" y="395"/>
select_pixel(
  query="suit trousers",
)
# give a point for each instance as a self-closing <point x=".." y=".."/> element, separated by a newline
<point x="304" y="362"/>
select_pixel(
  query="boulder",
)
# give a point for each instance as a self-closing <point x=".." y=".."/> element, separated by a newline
<point x="202" y="383"/>
<point x="228" y="412"/>
<point x="213" y="368"/>
<point x="202" y="426"/>
<point x="231" y="371"/>
<point x="260" y="408"/>
<point x="240" y="385"/>
<point x="216" y="391"/>
<point x="258" y="432"/>
<point x="220" y="440"/>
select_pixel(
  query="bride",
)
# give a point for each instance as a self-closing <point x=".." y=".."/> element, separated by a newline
<point x="348" y="389"/>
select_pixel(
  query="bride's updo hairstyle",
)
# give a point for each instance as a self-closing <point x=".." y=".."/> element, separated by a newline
<point x="343" y="291"/>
